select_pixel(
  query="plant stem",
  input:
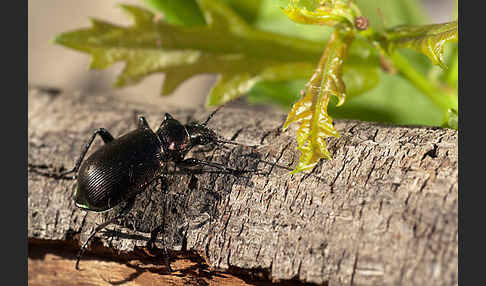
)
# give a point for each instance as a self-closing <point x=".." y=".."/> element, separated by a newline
<point x="443" y="100"/>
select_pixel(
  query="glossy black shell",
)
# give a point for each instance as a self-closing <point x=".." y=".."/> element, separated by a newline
<point x="119" y="170"/>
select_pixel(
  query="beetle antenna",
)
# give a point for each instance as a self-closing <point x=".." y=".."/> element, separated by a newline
<point x="212" y="114"/>
<point x="282" y="167"/>
<point x="224" y="141"/>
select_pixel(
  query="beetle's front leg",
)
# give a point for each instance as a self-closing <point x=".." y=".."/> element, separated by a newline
<point x="142" y="122"/>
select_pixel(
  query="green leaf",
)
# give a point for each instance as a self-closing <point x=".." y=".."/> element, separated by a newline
<point x="428" y="39"/>
<point x="270" y="18"/>
<point x="185" y="13"/>
<point x="153" y="46"/>
<point x="311" y="110"/>
<point x="227" y="46"/>
<point x="318" y="12"/>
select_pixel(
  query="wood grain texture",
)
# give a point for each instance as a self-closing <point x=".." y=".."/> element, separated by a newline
<point x="382" y="212"/>
<point x="52" y="263"/>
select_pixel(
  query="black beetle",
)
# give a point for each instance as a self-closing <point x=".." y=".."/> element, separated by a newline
<point x="125" y="166"/>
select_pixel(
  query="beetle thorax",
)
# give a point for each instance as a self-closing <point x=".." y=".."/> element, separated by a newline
<point x="174" y="137"/>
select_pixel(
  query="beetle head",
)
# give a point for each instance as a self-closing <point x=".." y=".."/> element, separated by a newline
<point x="200" y="134"/>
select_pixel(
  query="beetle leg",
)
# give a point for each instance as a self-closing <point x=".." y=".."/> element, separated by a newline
<point x="104" y="134"/>
<point x="142" y="123"/>
<point x="126" y="209"/>
<point x="161" y="228"/>
<point x="151" y="244"/>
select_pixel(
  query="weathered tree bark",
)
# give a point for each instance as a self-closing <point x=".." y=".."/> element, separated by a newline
<point x="382" y="212"/>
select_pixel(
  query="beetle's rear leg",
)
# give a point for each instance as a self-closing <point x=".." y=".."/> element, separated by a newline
<point x="126" y="209"/>
<point x="103" y="133"/>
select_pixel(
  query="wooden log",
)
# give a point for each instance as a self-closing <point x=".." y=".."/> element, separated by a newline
<point x="383" y="211"/>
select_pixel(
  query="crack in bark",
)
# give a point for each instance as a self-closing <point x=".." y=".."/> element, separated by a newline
<point x="355" y="267"/>
<point x="432" y="153"/>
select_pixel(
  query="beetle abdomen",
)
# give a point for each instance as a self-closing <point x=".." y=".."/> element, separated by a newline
<point x="118" y="170"/>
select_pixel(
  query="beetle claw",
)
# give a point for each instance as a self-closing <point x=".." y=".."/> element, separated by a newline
<point x="150" y="250"/>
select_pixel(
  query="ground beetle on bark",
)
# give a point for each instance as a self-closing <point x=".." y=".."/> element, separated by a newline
<point x="125" y="166"/>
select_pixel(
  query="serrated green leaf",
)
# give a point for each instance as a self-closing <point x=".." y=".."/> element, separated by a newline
<point x="318" y="12"/>
<point x="427" y="39"/>
<point x="272" y="19"/>
<point x="227" y="46"/>
<point x="153" y="46"/>
<point x="311" y="110"/>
